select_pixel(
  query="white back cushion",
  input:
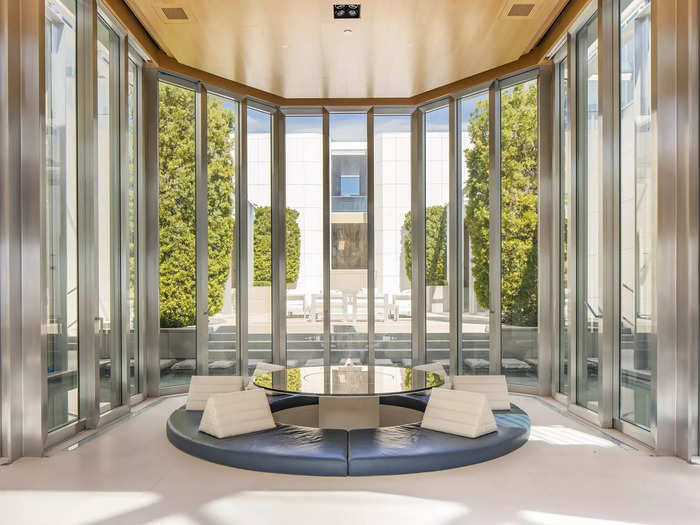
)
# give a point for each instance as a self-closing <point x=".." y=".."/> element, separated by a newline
<point x="260" y="369"/>
<point x="202" y="387"/>
<point x="494" y="388"/>
<point x="236" y="413"/>
<point x="436" y="368"/>
<point x="459" y="412"/>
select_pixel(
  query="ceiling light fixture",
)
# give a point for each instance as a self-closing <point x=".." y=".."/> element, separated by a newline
<point x="341" y="11"/>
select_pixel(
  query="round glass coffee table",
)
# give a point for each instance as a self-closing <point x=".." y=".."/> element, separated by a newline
<point x="348" y="395"/>
<point x="348" y="380"/>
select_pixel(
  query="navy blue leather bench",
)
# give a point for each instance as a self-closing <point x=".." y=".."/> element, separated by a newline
<point x="409" y="448"/>
<point x="291" y="449"/>
<point x="287" y="449"/>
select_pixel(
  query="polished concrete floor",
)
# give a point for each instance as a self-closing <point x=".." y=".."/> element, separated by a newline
<point x="568" y="473"/>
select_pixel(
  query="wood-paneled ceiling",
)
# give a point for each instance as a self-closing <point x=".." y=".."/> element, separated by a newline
<point x="294" y="48"/>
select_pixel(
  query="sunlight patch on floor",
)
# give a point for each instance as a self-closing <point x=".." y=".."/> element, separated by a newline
<point x="546" y="518"/>
<point x="331" y="508"/>
<point x="72" y="506"/>
<point x="560" y="435"/>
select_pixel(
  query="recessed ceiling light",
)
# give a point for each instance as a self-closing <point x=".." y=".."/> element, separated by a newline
<point x="347" y="31"/>
<point x="346" y="11"/>
<point x="284" y="46"/>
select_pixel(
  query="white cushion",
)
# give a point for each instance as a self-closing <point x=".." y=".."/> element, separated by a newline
<point x="459" y="412"/>
<point x="260" y="369"/>
<point x="227" y="415"/>
<point x="436" y="368"/>
<point x="202" y="387"/>
<point x="494" y="388"/>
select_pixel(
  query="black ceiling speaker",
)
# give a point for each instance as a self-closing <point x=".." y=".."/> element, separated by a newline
<point x="344" y="11"/>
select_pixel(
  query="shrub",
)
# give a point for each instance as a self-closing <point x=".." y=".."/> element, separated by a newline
<point x="435" y="245"/>
<point x="262" y="246"/>
<point x="518" y="204"/>
<point x="176" y="132"/>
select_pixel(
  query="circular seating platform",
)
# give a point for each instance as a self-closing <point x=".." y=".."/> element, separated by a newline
<point x="292" y="449"/>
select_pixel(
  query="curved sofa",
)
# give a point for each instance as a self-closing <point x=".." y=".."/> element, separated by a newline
<point x="292" y="449"/>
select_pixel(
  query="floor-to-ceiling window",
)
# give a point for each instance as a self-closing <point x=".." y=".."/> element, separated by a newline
<point x="474" y="124"/>
<point x="589" y="188"/>
<point x="437" y="198"/>
<point x="259" y="212"/>
<point x="304" y="239"/>
<point x="109" y="341"/>
<point x="61" y="214"/>
<point x="637" y="215"/>
<point x="519" y="220"/>
<point x="132" y="226"/>
<point x="564" y="157"/>
<point x="222" y="142"/>
<point x="348" y="225"/>
<point x="176" y="219"/>
<point x="392" y="208"/>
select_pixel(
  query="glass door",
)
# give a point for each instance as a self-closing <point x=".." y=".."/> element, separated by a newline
<point x="304" y="240"/>
<point x="589" y="236"/>
<point x="475" y="346"/>
<point x="222" y="176"/>
<point x="519" y="223"/>
<point x="437" y="198"/>
<point x="61" y="213"/>
<point x="109" y="346"/>
<point x="176" y="209"/>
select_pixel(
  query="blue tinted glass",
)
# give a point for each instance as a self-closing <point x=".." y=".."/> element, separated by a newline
<point x="350" y="185"/>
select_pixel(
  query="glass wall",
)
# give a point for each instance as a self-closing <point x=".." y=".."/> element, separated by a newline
<point x="564" y="142"/>
<point x="304" y="239"/>
<point x="61" y="214"/>
<point x="637" y="215"/>
<point x="259" y="237"/>
<point x="392" y="227"/>
<point x="519" y="220"/>
<point x="348" y="250"/>
<point x="108" y="225"/>
<point x="437" y="198"/>
<point x="222" y="138"/>
<point x="589" y="237"/>
<point x="176" y="220"/>
<point x="475" y="347"/>
<point x="132" y="324"/>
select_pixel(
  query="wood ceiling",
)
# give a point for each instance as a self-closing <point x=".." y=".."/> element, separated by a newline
<point x="294" y="48"/>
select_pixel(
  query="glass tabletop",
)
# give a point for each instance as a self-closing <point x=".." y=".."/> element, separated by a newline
<point x="348" y="380"/>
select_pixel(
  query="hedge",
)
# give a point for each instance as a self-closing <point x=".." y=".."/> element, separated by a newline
<point x="262" y="243"/>
<point x="435" y="245"/>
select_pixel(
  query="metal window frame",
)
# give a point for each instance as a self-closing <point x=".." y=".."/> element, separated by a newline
<point x="556" y="217"/>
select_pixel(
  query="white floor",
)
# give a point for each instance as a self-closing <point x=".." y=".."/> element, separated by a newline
<point x="569" y="473"/>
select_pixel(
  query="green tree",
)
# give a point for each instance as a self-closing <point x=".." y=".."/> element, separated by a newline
<point x="176" y="132"/>
<point x="518" y="203"/>
<point x="262" y="246"/>
<point x="435" y="245"/>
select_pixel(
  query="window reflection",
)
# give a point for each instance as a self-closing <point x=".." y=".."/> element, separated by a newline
<point x="108" y="219"/>
<point x="637" y="215"/>
<point x="589" y="310"/>
<point x="61" y="212"/>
